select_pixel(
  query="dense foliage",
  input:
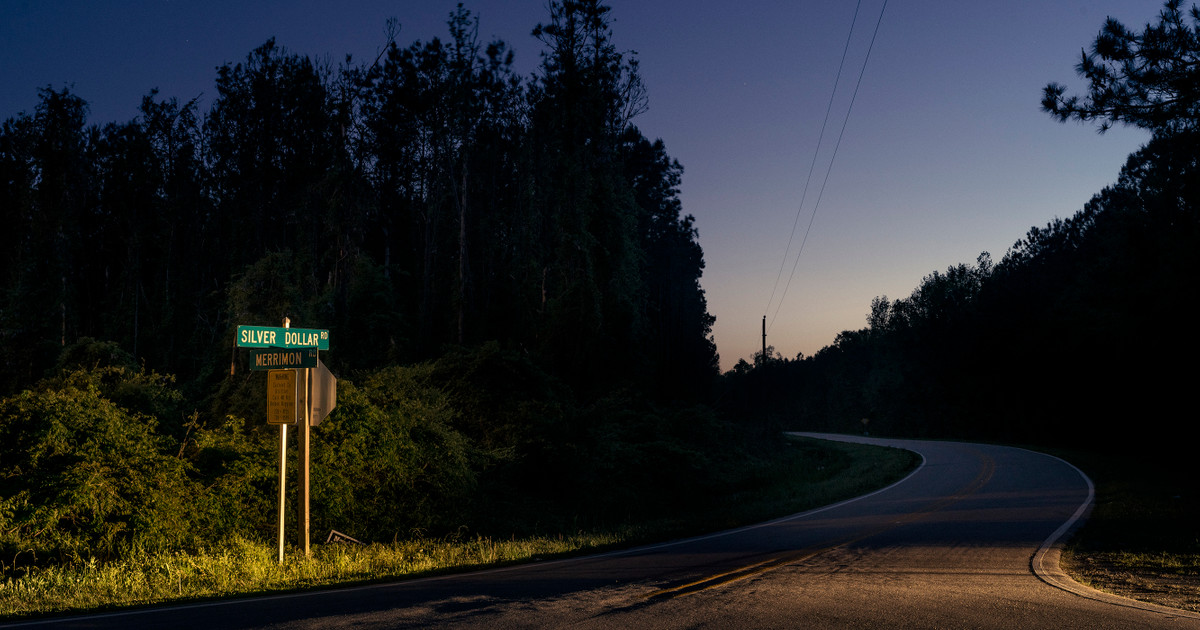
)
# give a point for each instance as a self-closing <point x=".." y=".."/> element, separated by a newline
<point x="479" y="441"/>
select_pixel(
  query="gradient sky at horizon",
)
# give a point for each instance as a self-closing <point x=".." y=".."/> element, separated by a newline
<point x="946" y="153"/>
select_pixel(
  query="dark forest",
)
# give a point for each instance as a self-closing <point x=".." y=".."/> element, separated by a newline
<point x="426" y="199"/>
<point x="511" y="287"/>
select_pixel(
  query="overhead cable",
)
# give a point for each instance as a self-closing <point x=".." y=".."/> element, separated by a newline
<point x="804" y="194"/>
<point x="821" y="193"/>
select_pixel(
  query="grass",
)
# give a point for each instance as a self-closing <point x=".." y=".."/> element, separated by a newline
<point x="805" y="475"/>
<point x="1142" y="539"/>
<point x="244" y="567"/>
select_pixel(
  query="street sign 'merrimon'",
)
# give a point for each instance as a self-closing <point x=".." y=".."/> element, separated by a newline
<point x="281" y="358"/>
<point x="271" y="337"/>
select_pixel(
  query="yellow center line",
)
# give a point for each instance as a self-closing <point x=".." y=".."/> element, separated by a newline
<point x="730" y="576"/>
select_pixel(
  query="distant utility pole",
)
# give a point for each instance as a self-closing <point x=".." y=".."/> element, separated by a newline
<point x="764" y="354"/>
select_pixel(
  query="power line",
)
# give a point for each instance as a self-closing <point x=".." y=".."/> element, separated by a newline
<point x="821" y="137"/>
<point x="829" y="169"/>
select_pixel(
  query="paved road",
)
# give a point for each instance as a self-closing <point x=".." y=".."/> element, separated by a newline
<point x="955" y="545"/>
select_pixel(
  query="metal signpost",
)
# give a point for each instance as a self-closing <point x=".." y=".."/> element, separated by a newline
<point x="302" y="504"/>
<point x="292" y="398"/>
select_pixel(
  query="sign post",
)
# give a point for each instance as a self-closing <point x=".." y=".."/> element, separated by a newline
<point x="281" y="410"/>
<point x="302" y="521"/>
<point x="292" y="397"/>
<point x="282" y="487"/>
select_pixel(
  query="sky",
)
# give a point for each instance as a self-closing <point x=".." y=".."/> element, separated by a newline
<point x="943" y="155"/>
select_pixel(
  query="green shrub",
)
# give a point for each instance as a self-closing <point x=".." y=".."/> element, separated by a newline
<point x="238" y="469"/>
<point x="102" y="460"/>
<point x="501" y="398"/>
<point x="88" y="353"/>
<point x="83" y="477"/>
<point x="138" y="391"/>
<point x="388" y="461"/>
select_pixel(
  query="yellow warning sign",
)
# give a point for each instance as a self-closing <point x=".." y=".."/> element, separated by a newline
<point x="281" y="397"/>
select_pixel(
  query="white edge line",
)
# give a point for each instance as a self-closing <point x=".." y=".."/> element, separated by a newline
<point x="155" y="608"/>
<point x="1046" y="561"/>
<point x="1044" y="564"/>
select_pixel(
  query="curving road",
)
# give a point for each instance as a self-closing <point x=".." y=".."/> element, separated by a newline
<point x="963" y="542"/>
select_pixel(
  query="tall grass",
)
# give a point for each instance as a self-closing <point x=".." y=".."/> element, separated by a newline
<point x="244" y="567"/>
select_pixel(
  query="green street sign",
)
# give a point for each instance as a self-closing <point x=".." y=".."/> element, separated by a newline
<point x="273" y="337"/>
<point x="281" y="359"/>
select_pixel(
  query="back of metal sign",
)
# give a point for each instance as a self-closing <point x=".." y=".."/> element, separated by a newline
<point x="324" y="393"/>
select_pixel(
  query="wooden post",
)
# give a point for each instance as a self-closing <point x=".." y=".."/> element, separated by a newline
<point x="303" y="521"/>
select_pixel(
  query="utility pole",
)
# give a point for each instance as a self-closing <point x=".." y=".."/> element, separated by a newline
<point x="764" y="352"/>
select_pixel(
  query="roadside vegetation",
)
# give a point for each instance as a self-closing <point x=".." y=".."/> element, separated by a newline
<point x="798" y="474"/>
<point x="1140" y="540"/>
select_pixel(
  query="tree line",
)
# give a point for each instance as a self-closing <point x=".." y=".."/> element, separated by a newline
<point x="424" y="199"/>
<point x="511" y="286"/>
<point x="1078" y="336"/>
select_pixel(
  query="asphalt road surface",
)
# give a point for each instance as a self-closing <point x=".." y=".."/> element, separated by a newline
<point x="966" y="541"/>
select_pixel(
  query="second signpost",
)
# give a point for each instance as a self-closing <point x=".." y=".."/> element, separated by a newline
<point x="301" y="391"/>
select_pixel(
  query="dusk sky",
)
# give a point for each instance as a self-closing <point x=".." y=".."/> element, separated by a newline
<point x="946" y="153"/>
